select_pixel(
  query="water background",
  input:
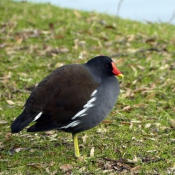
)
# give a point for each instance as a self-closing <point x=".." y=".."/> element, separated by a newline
<point x="139" y="10"/>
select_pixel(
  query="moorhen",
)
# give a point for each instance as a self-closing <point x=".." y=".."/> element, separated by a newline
<point x="73" y="98"/>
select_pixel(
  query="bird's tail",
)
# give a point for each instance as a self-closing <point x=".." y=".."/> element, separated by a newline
<point x="21" y="121"/>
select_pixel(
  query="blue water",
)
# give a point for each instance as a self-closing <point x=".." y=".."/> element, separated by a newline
<point x="140" y="10"/>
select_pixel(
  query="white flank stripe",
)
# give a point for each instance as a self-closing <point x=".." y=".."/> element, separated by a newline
<point x="93" y="93"/>
<point x="80" y="113"/>
<point x="74" y="123"/>
<point x="37" y="117"/>
<point x="88" y="105"/>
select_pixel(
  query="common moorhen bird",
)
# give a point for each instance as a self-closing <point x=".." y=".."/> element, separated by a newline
<point x="73" y="98"/>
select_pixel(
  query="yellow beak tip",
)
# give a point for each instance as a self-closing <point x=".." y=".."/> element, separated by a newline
<point x="120" y="75"/>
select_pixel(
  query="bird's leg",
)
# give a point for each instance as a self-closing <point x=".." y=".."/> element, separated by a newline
<point x="76" y="147"/>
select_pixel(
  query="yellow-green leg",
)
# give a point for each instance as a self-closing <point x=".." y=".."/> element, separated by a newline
<point x="76" y="147"/>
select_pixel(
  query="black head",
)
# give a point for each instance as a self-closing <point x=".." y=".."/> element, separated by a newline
<point x="104" y="66"/>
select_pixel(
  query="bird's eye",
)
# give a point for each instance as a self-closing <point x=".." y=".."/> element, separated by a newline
<point x="107" y="66"/>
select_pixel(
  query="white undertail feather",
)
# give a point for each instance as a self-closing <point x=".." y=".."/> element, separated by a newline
<point x="37" y="117"/>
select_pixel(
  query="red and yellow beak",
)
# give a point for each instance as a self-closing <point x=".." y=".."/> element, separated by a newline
<point x="116" y="71"/>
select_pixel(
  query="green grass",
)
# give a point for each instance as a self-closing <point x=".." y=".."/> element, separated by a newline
<point x="139" y="134"/>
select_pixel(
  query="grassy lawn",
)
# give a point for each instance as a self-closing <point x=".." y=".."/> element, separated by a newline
<point x="138" y="137"/>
